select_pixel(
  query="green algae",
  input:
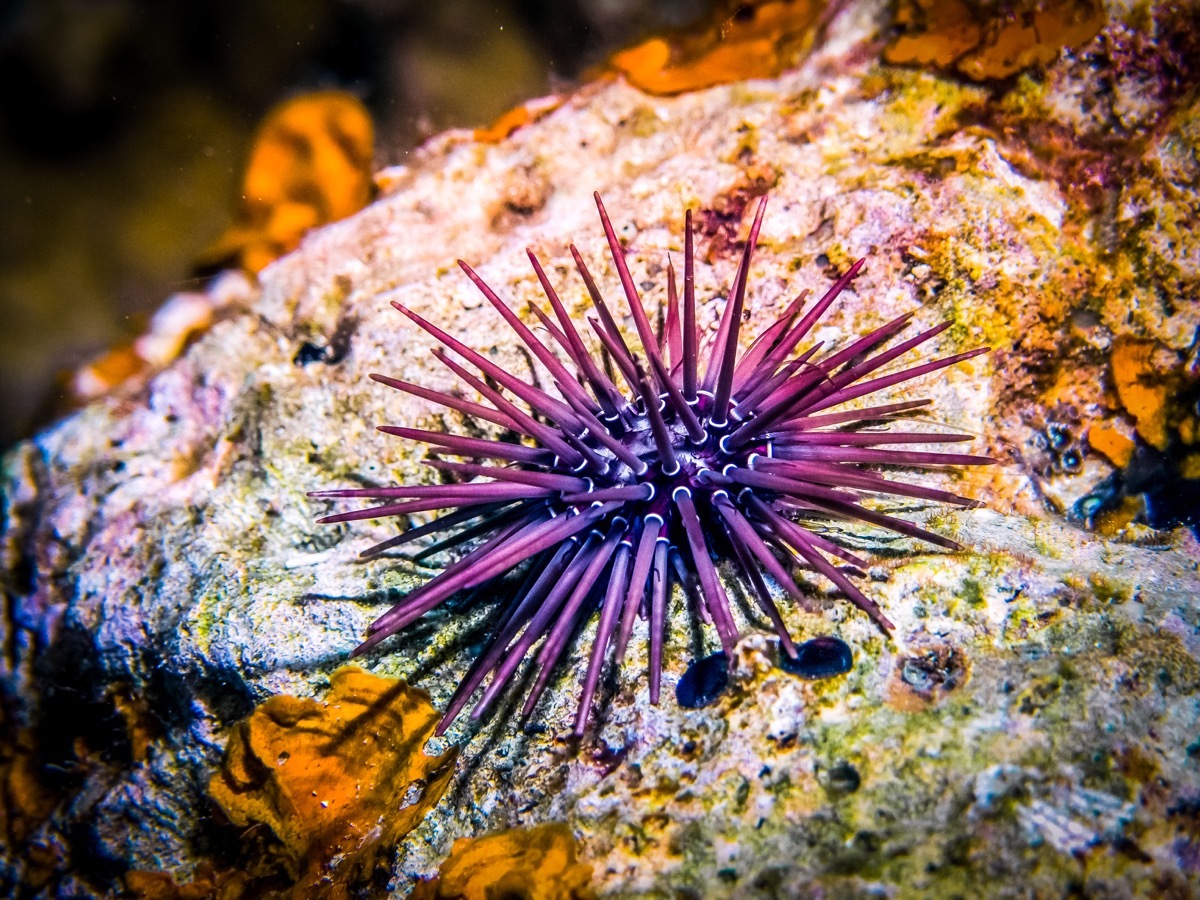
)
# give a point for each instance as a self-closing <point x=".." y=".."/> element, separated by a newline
<point x="971" y="592"/>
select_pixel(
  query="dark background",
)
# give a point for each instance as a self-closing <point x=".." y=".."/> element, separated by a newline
<point x="124" y="125"/>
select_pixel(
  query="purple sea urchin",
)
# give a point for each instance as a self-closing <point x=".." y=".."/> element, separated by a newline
<point x="611" y="497"/>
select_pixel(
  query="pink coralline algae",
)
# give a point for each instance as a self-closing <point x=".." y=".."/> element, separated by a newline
<point x="614" y="493"/>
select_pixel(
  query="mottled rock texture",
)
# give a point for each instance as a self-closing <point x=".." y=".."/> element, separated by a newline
<point x="1030" y="728"/>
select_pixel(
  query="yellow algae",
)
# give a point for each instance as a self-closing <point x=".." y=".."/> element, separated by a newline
<point x="919" y="108"/>
<point x="337" y="782"/>
<point x="1190" y="467"/>
<point x="539" y="863"/>
<point x="1113" y="522"/>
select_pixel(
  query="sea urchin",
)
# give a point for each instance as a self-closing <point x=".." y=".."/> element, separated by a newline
<point x="611" y="495"/>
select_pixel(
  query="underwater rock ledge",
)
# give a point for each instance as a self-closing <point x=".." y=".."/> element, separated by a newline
<point x="1030" y="727"/>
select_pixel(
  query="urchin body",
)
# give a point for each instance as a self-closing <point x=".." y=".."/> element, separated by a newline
<point x="614" y="493"/>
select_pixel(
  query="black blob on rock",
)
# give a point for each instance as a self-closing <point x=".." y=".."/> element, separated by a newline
<point x="310" y="353"/>
<point x="703" y="682"/>
<point x="839" y="779"/>
<point x="822" y="657"/>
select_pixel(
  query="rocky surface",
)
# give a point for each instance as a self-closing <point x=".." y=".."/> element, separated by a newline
<point x="1030" y="727"/>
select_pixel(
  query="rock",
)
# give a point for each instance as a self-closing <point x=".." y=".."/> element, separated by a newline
<point x="164" y="575"/>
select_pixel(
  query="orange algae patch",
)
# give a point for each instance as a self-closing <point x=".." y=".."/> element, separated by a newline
<point x="537" y="863"/>
<point x="208" y="884"/>
<point x="985" y="41"/>
<point x="108" y="370"/>
<point x="310" y="164"/>
<point x="930" y="671"/>
<point x="337" y="782"/>
<point x="25" y="802"/>
<point x="1113" y="443"/>
<point x="518" y="117"/>
<point x="183" y="318"/>
<point x="748" y="40"/>
<point x="140" y="725"/>
<point x="1142" y="388"/>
